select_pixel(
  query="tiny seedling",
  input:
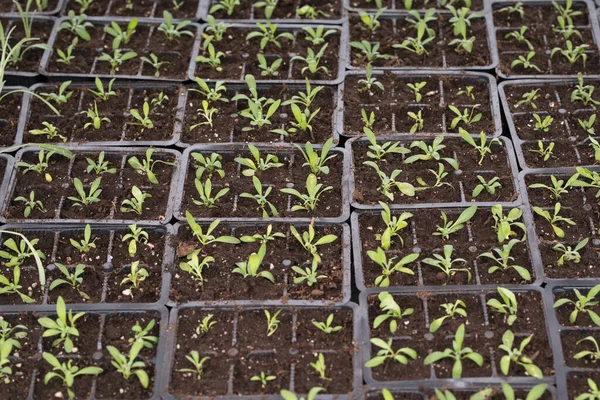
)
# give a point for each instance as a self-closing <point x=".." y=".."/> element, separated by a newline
<point x="261" y="198"/>
<point x="446" y="263"/>
<point x="517" y="356"/>
<point x="70" y="278"/>
<point x="503" y="260"/>
<point x="467" y="117"/>
<point x="310" y="275"/>
<point x="142" y="334"/>
<point x="137" y="235"/>
<point x="129" y="365"/>
<point x="197" y="363"/>
<point x="370" y="82"/>
<point x="136" y="202"/>
<point x="266" y="69"/>
<point x="30" y="203"/>
<point x="315" y="161"/>
<point x="265" y="238"/>
<point x="309" y="199"/>
<point x="542" y="125"/>
<point x="101" y="93"/>
<point x="525" y="62"/>
<point x="379" y="151"/>
<point x="250" y="268"/>
<point x="369" y="52"/>
<point x="586" y="124"/>
<point x="61" y="97"/>
<point x="95" y="119"/>
<point x="49" y="131"/>
<point x="592" y="394"/>
<point x="216" y="29"/>
<point x="544" y="152"/>
<point x="386" y="352"/>
<point x="430" y="152"/>
<point x="529" y="98"/>
<point x="307" y="240"/>
<point x="416" y="89"/>
<point x="267" y="33"/>
<point x="317" y="35"/>
<point x="519" y="37"/>
<point x="39" y="167"/>
<point x="394" y="224"/>
<point x="195" y="267"/>
<point x="584" y="93"/>
<point x="592" y="355"/>
<point x="388" y="267"/>
<point x="368" y="120"/>
<point x="451" y="310"/>
<point x="326" y="327"/>
<point x="66" y="57"/>
<point x="228" y="6"/>
<point x="467" y="91"/>
<point x="392" y="312"/>
<point x="263" y="378"/>
<point x="86" y="244"/>
<point x="450" y="227"/>
<point x="257" y="162"/>
<point x="554" y="219"/>
<point x="582" y="305"/>
<point x="67" y="372"/>
<point x="206" y="114"/>
<point x="272" y="322"/>
<point x="209" y="165"/>
<point x="205" y="193"/>
<point x="504" y="224"/>
<point x="153" y="61"/>
<point x="146" y="165"/>
<point x="174" y="31"/>
<point x="484" y="147"/>
<point x="490" y="186"/>
<point x="135" y="277"/>
<point x="77" y="25"/>
<point x="458" y="353"/>
<point x="142" y="118"/>
<point x="205" y="238"/>
<point x="389" y="183"/>
<point x="312" y="61"/>
<point x="117" y="59"/>
<point x="205" y="325"/>
<point x="572" y="53"/>
<point x="120" y="35"/>
<point x="559" y="186"/>
<point x="85" y="199"/>
<point x="211" y="94"/>
<point x="417" y="119"/>
<point x="370" y="22"/>
<point x="570" y="254"/>
<point x="63" y="326"/>
<point x="320" y="367"/>
<point x="508" y="306"/>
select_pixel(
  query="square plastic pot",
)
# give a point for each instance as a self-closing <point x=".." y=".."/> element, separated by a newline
<point x="8" y="170"/>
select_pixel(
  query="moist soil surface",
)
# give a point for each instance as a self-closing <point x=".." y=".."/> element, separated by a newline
<point x="115" y="188"/>
<point x="141" y="8"/>
<point x="476" y="238"/>
<point x="292" y="174"/>
<point x="400" y="5"/>
<point x="282" y="253"/>
<point x="484" y="330"/>
<point x="581" y="207"/>
<point x="146" y="40"/>
<point x="240" y="56"/>
<point x="239" y="348"/>
<point x="286" y="9"/>
<point x="458" y="184"/>
<point x="10" y="110"/>
<point x="392" y="105"/>
<point x="540" y="21"/>
<point x="394" y="30"/>
<point x="8" y="5"/>
<point x="104" y="330"/>
<point x="228" y="125"/>
<point x="122" y="126"/>
<point x="30" y="62"/>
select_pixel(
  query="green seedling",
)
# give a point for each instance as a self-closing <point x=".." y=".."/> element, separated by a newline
<point x="391" y="311"/>
<point x="129" y="365"/>
<point x="504" y="224"/>
<point x="544" y="152"/>
<point x="67" y="372"/>
<point x="394" y="224"/>
<point x="135" y="277"/>
<point x="74" y="279"/>
<point x="205" y="325"/>
<point x="267" y="33"/>
<point x="251" y="267"/>
<point x="388" y="267"/>
<point x="86" y="199"/>
<point x="174" y="31"/>
<point x="137" y="235"/>
<point x="525" y="62"/>
<point x="592" y="355"/>
<point x="117" y="59"/>
<point x="467" y="117"/>
<point x="490" y="186"/>
<point x="49" y="131"/>
<point x="326" y="327"/>
<point x="86" y="244"/>
<point x="386" y="352"/>
<point x="517" y="356"/>
<point x="446" y="263"/>
<point x="136" y="202"/>
<point x="554" y="219"/>
<point x="101" y="93"/>
<point x="503" y="261"/>
<point x="257" y="163"/>
<point x="146" y="165"/>
<point x="63" y="326"/>
<point x="307" y="240"/>
<point x="542" y="125"/>
<point x="272" y="322"/>
<point x="308" y="200"/>
<point x="451" y="310"/>
<point x="484" y="147"/>
<point x="317" y="35"/>
<point x="570" y="254"/>
<point x="197" y="363"/>
<point x="195" y="267"/>
<point x="430" y="152"/>
<point x="320" y="367"/>
<point x="31" y="204"/>
<point x="458" y="353"/>
<point x="315" y="161"/>
<point x="508" y="306"/>
<point x="379" y="151"/>
<point x="582" y="305"/>
<point x="95" y="119"/>
<point x="261" y="197"/>
<point x="451" y="227"/>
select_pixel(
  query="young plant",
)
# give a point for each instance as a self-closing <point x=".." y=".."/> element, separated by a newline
<point x="503" y="260"/>
<point x="136" y="202"/>
<point x="216" y="29"/>
<point x="315" y="161"/>
<point x="142" y="118"/>
<point x="61" y="97"/>
<point x="517" y="356"/>
<point x="451" y="310"/>
<point x="559" y="186"/>
<point x="77" y="25"/>
<point x="368" y="120"/>
<point x="307" y="240"/>
<point x="205" y="193"/>
<point x="490" y="186"/>
<point x="209" y="165"/>
<point x="317" y="35"/>
<point x="63" y="326"/>
<point x="519" y="37"/>
<point x="446" y="263"/>
<point x="326" y="327"/>
<point x="369" y="82"/>
<point x="266" y="69"/>
<point x="525" y="62"/>
<point x="554" y="219"/>
<point x="430" y="152"/>
<point x="320" y="367"/>
<point x="370" y="51"/>
<point x="207" y="113"/>
<point x="250" y="268"/>
<point x="305" y="98"/>
<point x="267" y="33"/>
<point x="542" y="125"/>
<point x="587" y="125"/>
<point x="67" y="372"/>
<point x="66" y="57"/>
<point x="312" y="61"/>
<point x="593" y="392"/>
<point x="120" y="35"/>
<point x="197" y="363"/>
<point x="570" y="254"/>
<point x="95" y="119"/>
<point x="484" y="147"/>
<point x="205" y="325"/>
<point x="582" y="305"/>
<point x="425" y="34"/>
<point x="99" y="167"/>
<point x="388" y="267"/>
<point x="49" y="131"/>
<point x="272" y="322"/>
<point x="458" y="353"/>
<point x="529" y="98"/>
<point x="155" y="63"/>
<point x="228" y="6"/>
<point x="117" y="59"/>
<point x="135" y="277"/>
<point x="392" y="312"/>
<point x="508" y="306"/>
<point x="31" y="204"/>
<point x="20" y="252"/>
<point x="142" y="335"/>
<point x="389" y="183"/>
<point x="584" y="93"/>
<point x="206" y="238"/>
<point x="310" y="275"/>
<point x="401" y="356"/>
<point x="503" y="225"/>
<point x="263" y="378"/>
<point x="572" y="53"/>
<point x="257" y="163"/>
<point x="379" y="151"/>
<point x="146" y="166"/>
<point x="195" y="267"/>
<point x="467" y="117"/>
<point x="419" y="122"/>
<point x="309" y="199"/>
<point x="8" y="286"/>
<point x="101" y="93"/>
<point x="261" y="198"/>
<point x="40" y="166"/>
<point x="73" y="279"/>
<point x="130" y="365"/>
<point x="86" y="244"/>
<point x="211" y="94"/>
<point x="450" y="227"/>
<point x="173" y="31"/>
<point x="370" y="22"/>
<point x="592" y="355"/>
<point x="85" y="199"/>
<point x="268" y="5"/>
<point x="544" y="152"/>
<point x="265" y="238"/>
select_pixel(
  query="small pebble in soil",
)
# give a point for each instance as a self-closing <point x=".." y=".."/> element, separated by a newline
<point x="429" y="336"/>
<point x="58" y="395"/>
<point x="489" y="334"/>
<point x="473" y="249"/>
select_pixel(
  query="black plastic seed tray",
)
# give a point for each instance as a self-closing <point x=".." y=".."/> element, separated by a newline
<point x="10" y="127"/>
<point x="572" y="142"/>
<point x="434" y="105"/>
<point x="54" y="7"/>
<point x="462" y="390"/>
<point x="292" y="156"/>
<point x="467" y="246"/>
<point x="233" y="354"/>
<point x="336" y="72"/>
<point x="108" y="207"/>
<point x="8" y="161"/>
<point x="464" y="180"/>
<point x="483" y="334"/>
<point x="105" y="266"/>
<point x="580" y="205"/>
<point x="591" y="29"/>
<point x="116" y="10"/>
<point x="213" y="293"/>
<point x="399" y="6"/>
<point x="34" y="367"/>
<point x="94" y="70"/>
<point x="229" y="131"/>
<point x="439" y="51"/>
<point x="571" y="374"/>
<point x="127" y="90"/>
<point x="253" y="14"/>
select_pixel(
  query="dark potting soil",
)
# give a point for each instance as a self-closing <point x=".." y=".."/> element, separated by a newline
<point x="286" y="9"/>
<point x="62" y="170"/>
<point x="458" y="185"/>
<point x="240" y="56"/>
<point x="291" y="174"/>
<point x="282" y="253"/>
<point x="146" y="40"/>
<point x="141" y="8"/>
<point x="540" y="20"/>
<point x="577" y="383"/>
<point x="497" y="393"/>
<point x="10" y="111"/>
<point x="410" y="4"/>
<point x="40" y="29"/>
<point x="392" y="105"/>
<point x="476" y="238"/>
<point x="95" y="333"/>
<point x="239" y="348"/>
<point x="582" y="208"/>
<point x="572" y="146"/>
<point x="571" y="347"/>
<point x="563" y="312"/>
<point x="8" y="5"/>
<point x="122" y="126"/>
<point x="440" y="54"/>
<point x="484" y="330"/>
<point x="103" y="272"/>
<point x="228" y="124"/>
